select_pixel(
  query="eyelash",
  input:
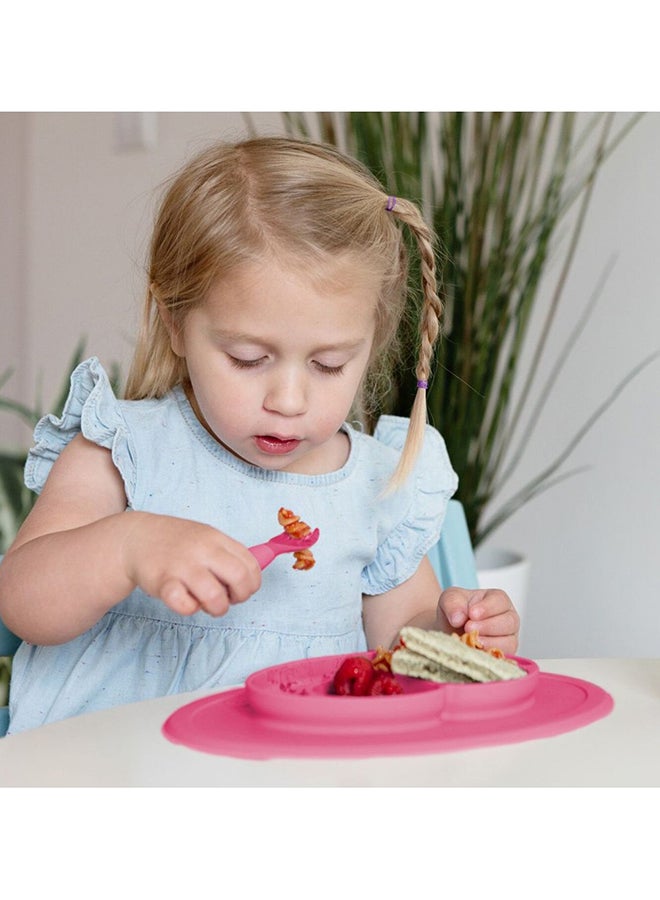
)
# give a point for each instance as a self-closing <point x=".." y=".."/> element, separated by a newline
<point x="253" y="363"/>
<point x="245" y="363"/>
<point x="329" y="370"/>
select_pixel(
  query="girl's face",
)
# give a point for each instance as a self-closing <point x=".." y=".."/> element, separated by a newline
<point x="275" y="361"/>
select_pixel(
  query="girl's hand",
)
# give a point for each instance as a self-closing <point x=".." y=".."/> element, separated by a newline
<point x="188" y="565"/>
<point x="488" y="611"/>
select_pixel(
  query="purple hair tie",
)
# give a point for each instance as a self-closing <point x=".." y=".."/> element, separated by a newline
<point x="422" y="384"/>
<point x="391" y="203"/>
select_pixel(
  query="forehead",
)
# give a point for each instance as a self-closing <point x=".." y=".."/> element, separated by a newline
<point x="320" y="271"/>
<point x="282" y="276"/>
<point x="336" y="299"/>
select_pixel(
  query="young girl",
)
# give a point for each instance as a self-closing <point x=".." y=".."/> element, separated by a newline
<point x="277" y="282"/>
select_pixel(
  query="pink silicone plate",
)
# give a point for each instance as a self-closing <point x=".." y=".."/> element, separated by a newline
<point x="298" y="695"/>
<point x="288" y="711"/>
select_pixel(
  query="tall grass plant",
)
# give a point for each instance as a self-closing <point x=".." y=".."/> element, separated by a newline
<point x="507" y="193"/>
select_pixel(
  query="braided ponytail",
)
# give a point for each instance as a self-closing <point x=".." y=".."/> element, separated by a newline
<point x="429" y="328"/>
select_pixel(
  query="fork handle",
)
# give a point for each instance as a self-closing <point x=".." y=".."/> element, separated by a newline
<point x="263" y="553"/>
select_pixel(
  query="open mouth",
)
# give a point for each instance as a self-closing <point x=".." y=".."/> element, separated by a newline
<point x="269" y="443"/>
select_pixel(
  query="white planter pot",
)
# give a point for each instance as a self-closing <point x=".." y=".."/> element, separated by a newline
<point x="508" y="571"/>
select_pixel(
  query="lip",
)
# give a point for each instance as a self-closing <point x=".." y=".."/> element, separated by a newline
<point x="275" y="445"/>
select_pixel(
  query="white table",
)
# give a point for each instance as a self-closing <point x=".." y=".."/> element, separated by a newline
<point x="124" y="747"/>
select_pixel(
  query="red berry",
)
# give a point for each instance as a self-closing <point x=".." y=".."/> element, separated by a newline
<point x="385" y="683"/>
<point x="354" y="676"/>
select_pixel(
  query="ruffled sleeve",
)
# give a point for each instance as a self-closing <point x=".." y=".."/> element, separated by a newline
<point x="422" y="504"/>
<point x="91" y="409"/>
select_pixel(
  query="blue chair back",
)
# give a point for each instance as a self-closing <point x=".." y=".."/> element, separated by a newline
<point x="8" y="646"/>
<point x="8" y="641"/>
<point x="452" y="557"/>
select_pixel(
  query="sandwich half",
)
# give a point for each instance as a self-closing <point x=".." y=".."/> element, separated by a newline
<point x="440" y="657"/>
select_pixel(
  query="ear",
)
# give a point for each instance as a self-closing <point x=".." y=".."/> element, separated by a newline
<point x="174" y="329"/>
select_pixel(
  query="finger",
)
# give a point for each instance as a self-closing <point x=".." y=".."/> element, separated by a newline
<point x="211" y="594"/>
<point x="454" y="604"/>
<point x="508" y="643"/>
<point x="488" y="602"/>
<point x="495" y="626"/>
<point x="239" y="575"/>
<point x="175" y="595"/>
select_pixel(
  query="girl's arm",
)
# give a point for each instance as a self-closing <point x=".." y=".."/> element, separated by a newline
<point x="421" y="602"/>
<point x="80" y="552"/>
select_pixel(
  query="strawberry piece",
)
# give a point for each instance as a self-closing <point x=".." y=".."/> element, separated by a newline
<point x="385" y="683"/>
<point x="354" y="677"/>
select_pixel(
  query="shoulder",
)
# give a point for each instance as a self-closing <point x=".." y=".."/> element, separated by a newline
<point x="91" y="412"/>
<point x="412" y="515"/>
<point x="83" y="485"/>
<point x="392" y="430"/>
<point x="384" y="447"/>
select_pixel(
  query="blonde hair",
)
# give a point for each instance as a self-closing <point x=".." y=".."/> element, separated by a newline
<point x="235" y="202"/>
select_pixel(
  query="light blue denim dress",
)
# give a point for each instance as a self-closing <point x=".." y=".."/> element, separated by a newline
<point x="370" y="542"/>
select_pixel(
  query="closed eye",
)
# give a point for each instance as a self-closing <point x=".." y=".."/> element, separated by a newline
<point x="320" y="367"/>
<point x="328" y="370"/>
<point x="245" y="363"/>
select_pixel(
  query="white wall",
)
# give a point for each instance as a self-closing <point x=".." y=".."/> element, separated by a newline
<point x="74" y="224"/>
<point x="593" y="540"/>
<point x="88" y="216"/>
<point x="12" y="247"/>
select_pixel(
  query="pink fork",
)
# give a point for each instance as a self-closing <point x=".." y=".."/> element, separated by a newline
<point x="282" y="543"/>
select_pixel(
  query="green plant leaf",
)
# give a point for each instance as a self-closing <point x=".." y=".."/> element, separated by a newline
<point x="498" y="189"/>
<point x="548" y="476"/>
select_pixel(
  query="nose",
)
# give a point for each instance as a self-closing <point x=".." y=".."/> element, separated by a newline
<point x="286" y="393"/>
